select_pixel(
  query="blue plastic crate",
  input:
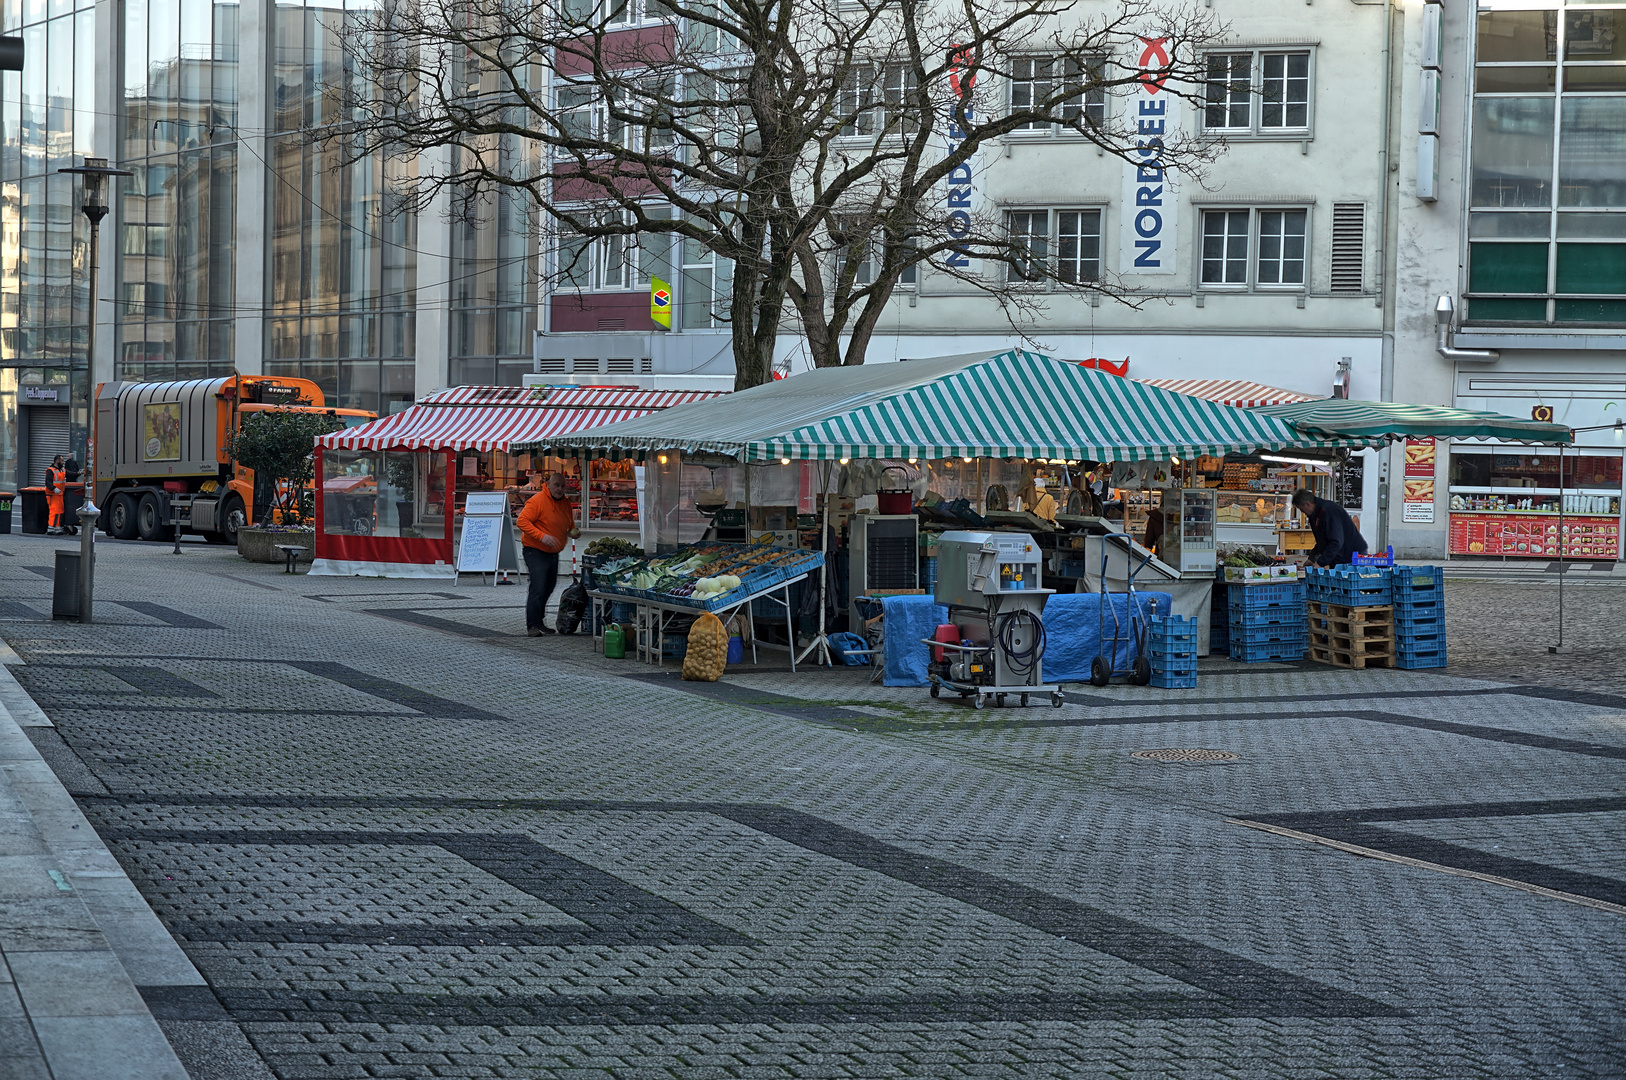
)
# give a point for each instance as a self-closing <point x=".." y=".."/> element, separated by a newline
<point x="1181" y="681"/>
<point x="1427" y="602"/>
<point x="1412" y="661"/>
<point x="1254" y="635"/>
<point x="928" y="572"/>
<point x="804" y="562"/>
<point x="1417" y="577"/>
<point x="1270" y="650"/>
<point x="1419" y="642"/>
<point x="1265" y="594"/>
<point x="1386" y="559"/>
<point x="1243" y="619"/>
<point x="1414" y="626"/>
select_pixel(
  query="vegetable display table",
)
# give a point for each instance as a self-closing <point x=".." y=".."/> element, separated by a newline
<point x="654" y="617"/>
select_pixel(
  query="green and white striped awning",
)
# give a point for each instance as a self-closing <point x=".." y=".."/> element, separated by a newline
<point x="1011" y="404"/>
<point x="1342" y="418"/>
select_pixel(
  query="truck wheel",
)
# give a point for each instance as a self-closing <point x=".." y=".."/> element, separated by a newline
<point x="149" y="520"/>
<point x="121" y="523"/>
<point x="231" y="519"/>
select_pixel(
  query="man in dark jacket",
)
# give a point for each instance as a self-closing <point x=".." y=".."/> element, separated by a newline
<point x="1337" y="540"/>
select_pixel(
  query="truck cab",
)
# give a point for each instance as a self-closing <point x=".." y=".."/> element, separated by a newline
<point x="160" y="457"/>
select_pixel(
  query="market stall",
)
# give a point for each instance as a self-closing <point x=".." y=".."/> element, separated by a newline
<point x="1503" y="497"/>
<point x="973" y="418"/>
<point x="460" y="441"/>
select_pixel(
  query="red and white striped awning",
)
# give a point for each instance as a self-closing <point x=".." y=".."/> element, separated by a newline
<point x="485" y="427"/>
<point x="487" y="395"/>
<point x="1238" y="393"/>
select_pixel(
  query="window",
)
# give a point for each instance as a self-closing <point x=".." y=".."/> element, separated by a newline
<point x="1036" y="79"/>
<point x="1259" y="92"/>
<point x="877" y="101"/>
<point x="617" y="261"/>
<point x="1225" y="247"/>
<point x="867" y="250"/>
<point x="1073" y="236"/>
<point x="1259" y="247"/>
<point x="1547" y="176"/>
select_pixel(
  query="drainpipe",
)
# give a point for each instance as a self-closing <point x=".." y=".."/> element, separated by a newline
<point x="1442" y="316"/>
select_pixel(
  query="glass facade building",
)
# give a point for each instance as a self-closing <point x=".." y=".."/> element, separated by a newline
<point x="1547" y="178"/>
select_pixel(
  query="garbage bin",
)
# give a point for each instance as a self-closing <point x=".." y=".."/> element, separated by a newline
<point x="73" y="497"/>
<point x="6" y="499"/>
<point x="36" y="515"/>
<point x="65" y="586"/>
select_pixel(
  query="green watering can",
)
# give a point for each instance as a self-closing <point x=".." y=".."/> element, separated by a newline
<point x="615" y="642"/>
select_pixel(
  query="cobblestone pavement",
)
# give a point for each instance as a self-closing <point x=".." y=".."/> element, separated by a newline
<point x="400" y="839"/>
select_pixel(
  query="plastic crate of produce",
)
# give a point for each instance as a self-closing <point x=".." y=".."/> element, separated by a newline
<point x="1244" y="619"/>
<point x="801" y="562"/>
<point x="763" y="577"/>
<point x="1265" y="594"/>
<point x="1270" y="650"/>
<point x="1175" y="681"/>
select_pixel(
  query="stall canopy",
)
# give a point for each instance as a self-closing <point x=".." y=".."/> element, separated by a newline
<point x="1010" y="404"/>
<point x="1235" y="392"/>
<point x="462" y="419"/>
<point x="1341" y="418"/>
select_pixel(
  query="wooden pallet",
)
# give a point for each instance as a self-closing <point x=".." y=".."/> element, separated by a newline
<point x="1321" y="611"/>
<point x="1349" y="658"/>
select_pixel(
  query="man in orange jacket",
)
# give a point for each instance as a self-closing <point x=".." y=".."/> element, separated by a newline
<point x="546" y="525"/>
<point x="54" y="479"/>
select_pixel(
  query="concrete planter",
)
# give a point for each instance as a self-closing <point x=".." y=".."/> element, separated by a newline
<point x="260" y="545"/>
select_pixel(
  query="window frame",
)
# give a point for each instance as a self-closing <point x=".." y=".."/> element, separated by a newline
<point x="624" y="251"/>
<point x="874" y="96"/>
<point x="1085" y="106"/>
<point x="1052" y="241"/>
<point x="1255" y="129"/>
<point x="1253" y="237"/>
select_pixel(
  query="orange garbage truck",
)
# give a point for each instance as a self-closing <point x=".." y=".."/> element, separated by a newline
<point x="160" y="452"/>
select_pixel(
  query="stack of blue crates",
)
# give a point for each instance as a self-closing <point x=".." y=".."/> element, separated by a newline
<point x="1348" y="586"/>
<point x="1219" y="620"/>
<point x="1172" y="648"/>
<point x="1267" y="621"/>
<point x="1419" y="603"/>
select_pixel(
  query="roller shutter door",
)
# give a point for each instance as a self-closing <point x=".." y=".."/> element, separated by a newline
<point x="48" y="436"/>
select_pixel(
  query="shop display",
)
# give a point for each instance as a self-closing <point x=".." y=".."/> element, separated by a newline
<point x="1188" y="529"/>
<point x="706" y="575"/>
<point x="1511" y="503"/>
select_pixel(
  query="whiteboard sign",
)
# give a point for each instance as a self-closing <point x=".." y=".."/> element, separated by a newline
<point x="485" y="502"/>
<point x="487" y="545"/>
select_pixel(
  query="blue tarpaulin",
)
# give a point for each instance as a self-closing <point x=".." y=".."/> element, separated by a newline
<point x="1072" y="633"/>
<point x="908" y="619"/>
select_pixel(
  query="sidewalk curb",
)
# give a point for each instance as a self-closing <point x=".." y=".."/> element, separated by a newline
<point x="76" y="937"/>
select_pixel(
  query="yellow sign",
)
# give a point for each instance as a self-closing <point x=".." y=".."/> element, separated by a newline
<point x="660" y="302"/>
<point x="161" y="431"/>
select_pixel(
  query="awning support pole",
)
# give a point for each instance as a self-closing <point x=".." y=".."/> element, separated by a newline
<point x="821" y="642"/>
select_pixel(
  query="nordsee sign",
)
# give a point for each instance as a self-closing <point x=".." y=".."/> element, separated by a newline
<point x="961" y="81"/>
<point x="1148" y="225"/>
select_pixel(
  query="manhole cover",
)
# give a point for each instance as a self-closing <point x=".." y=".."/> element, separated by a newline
<point x="1182" y="753"/>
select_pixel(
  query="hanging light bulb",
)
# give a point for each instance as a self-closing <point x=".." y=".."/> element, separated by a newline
<point x="966" y="460"/>
<point x="662" y="459"/>
<point x="784" y="461"/>
<point x="911" y="461"/>
<point x="845" y="460"/>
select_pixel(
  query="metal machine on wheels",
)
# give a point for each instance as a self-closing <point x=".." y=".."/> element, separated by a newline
<point x="991" y="585"/>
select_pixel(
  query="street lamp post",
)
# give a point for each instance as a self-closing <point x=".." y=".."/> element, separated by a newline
<point x="95" y="172"/>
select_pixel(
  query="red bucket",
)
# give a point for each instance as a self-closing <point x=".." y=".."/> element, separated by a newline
<point x="947" y="632"/>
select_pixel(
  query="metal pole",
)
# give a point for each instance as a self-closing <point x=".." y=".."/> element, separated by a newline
<point x="1559" y="649"/>
<point x="88" y="512"/>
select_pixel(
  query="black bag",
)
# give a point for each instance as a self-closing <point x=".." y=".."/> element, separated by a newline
<point x="572" y="607"/>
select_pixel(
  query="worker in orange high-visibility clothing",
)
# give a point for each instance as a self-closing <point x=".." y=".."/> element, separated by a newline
<point x="55" y="477"/>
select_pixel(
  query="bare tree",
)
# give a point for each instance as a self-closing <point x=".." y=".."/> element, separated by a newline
<point x="816" y="146"/>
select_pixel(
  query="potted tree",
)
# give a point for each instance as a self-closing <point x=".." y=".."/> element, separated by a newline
<point x="280" y="448"/>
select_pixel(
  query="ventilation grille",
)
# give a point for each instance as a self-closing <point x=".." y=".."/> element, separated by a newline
<point x="551" y="367"/>
<point x="585" y="364"/>
<point x="1348" y="247"/>
<point x="612" y="324"/>
<point x="646" y="366"/>
<point x="622" y="365"/>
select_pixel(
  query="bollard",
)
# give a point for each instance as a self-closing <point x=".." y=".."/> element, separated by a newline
<point x="88" y="513"/>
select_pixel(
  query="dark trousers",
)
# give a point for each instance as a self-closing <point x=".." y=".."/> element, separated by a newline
<point x="543" y="566"/>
